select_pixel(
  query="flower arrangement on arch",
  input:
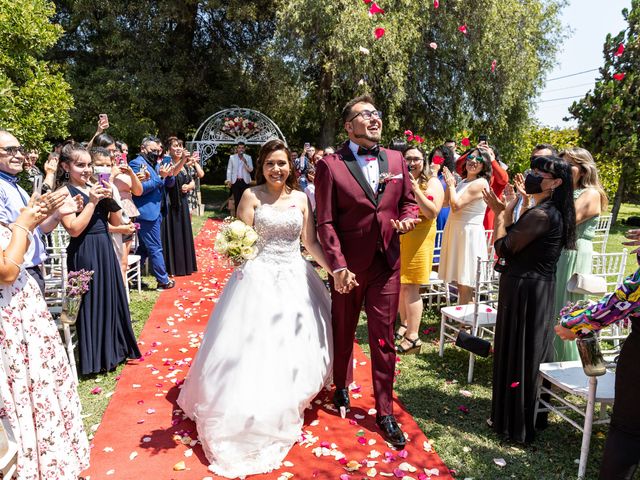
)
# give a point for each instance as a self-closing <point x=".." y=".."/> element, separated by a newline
<point x="236" y="240"/>
<point x="238" y="126"/>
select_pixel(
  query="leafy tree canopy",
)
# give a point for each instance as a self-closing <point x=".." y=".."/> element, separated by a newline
<point x="34" y="97"/>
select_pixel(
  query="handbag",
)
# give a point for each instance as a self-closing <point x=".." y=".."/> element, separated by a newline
<point x="587" y="284"/>
<point x="473" y="344"/>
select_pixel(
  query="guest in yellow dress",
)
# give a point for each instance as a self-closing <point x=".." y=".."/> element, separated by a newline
<point x="416" y="250"/>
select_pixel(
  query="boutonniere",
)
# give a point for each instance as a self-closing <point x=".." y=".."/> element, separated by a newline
<point x="386" y="178"/>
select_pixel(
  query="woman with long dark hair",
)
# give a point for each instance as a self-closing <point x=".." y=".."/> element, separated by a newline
<point x="274" y="309"/>
<point x="524" y="329"/>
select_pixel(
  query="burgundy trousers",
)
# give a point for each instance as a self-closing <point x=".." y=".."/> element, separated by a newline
<point x="379" y="289"/>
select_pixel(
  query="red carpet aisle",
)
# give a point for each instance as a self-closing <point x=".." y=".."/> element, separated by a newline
<point x="143" y="434"/>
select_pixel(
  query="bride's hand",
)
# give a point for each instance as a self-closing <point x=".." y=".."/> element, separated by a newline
<point x="344" y="281"/>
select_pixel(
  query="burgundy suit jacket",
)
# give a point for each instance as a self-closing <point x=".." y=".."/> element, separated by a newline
<point x="352" y="220"/>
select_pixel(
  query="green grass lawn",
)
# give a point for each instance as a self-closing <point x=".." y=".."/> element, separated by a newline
<point x="430" y="388"/>
<point x="617" y="231"/>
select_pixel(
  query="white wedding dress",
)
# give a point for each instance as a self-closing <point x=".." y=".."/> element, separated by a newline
<point x="266" y="353"/>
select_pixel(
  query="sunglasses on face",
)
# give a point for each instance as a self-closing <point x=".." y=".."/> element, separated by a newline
<point x="472" y="158"/>
<point x="13" y="151"/>
<point x="367" y="114"/>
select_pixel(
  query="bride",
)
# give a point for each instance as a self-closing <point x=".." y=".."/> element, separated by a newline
<point x="266" y="351"/>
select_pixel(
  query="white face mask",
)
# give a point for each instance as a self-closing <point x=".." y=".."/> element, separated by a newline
<point x="101" y="169"/>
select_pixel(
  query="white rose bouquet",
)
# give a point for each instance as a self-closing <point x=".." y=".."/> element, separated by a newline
<point x="236" y="240"/>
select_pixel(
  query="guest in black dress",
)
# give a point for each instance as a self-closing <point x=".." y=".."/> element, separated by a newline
<point x="105" y="335"/>
<point x="177" y="234"/>
<point x="524" y="329"/>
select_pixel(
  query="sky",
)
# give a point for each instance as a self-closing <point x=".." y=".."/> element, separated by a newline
<point x="590" y="21"/>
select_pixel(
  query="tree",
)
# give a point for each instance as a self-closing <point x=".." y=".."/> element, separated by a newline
<point x="159" y="66"/>
<point x="609" y="117"/>
<point x="34" y="97"/>
<point x="436" y="91"/>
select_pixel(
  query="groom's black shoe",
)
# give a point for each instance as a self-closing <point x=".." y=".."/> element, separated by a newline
<point x="341" y="399"/>
<point x="391" y="431"/>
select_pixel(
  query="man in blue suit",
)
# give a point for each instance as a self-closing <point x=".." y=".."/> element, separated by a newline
<point x="149" y="205"/>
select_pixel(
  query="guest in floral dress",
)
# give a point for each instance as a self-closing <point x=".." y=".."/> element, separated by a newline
<point x="38" y="395"/>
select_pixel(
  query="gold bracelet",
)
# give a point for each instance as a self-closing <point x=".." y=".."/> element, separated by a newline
<point x="22" y="227"/>
<point x="12" y="261"/>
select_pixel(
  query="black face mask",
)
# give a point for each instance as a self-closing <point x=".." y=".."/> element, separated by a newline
<point x="152" y="157"/>
<point x="533" y="184"/>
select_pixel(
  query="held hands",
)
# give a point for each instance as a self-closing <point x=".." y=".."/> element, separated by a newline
<point x="565" y="333"/>
<point x="344" y="281"/>
<point x="406" y="225"/>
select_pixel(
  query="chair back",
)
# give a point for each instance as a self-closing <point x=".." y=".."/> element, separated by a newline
<point x="611" y="266"/>
<point x="490" y="248"/>
<point x="437" y="248"/>
<point x="486" y="286"/>
<point x="601" y="235"/>
<point x="55" y="268"/>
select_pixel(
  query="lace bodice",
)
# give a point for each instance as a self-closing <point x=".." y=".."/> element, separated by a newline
<point x="279" y="230"/>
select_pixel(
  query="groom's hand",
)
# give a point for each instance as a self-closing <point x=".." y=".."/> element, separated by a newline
<point x="344" y="281"/>
<point x="406" y="225"/>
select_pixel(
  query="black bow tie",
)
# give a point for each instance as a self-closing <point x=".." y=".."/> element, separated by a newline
<point x="373" y="151"/>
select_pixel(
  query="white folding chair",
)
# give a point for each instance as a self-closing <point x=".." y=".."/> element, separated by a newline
<point x="479" y="317"/>
<point x="436" y="292"/>
<point x="579" y="393"/>
<point x="55" y="278"/>
<point x="8" y="450"/>
<point x="611" y="266"/>
<point x="601" y="235"/>
<point x="134" y="270"/>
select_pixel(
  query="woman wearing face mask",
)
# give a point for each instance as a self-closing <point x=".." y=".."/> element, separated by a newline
<point x="590" y="200"/>
<point x="105" y="335"/>
<point x="524" y="328"/>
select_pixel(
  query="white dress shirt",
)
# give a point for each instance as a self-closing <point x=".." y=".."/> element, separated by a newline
<point x="370" y="168"/>
<point x="236" y="169"/>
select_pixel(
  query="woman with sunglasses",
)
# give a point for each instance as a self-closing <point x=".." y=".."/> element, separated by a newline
<point x="524" y="326"/>
<point x="463" y="239"/>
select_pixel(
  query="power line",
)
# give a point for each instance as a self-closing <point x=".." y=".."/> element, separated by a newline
<point x="573" y="74"/>
<point x="568" y="88"/>
<point x="556" y="99"/>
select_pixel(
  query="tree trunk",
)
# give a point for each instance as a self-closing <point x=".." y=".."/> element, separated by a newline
<point x="328" y="132"/>
<point x="617" y="201"/>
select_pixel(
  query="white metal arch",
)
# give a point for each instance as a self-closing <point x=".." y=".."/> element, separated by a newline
<point x="231" y="126"/>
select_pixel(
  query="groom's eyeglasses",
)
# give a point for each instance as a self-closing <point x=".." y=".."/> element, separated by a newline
<point x="367" y="114"/>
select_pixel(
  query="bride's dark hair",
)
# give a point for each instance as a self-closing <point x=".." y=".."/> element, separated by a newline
<point x="267" y="149"/>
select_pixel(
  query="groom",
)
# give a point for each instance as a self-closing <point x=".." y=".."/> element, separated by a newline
<point x="364" y="200"/>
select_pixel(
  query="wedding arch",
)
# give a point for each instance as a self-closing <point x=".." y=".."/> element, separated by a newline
<point x="231" y="126"/>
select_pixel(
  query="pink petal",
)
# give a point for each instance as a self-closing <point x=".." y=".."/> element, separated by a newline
<point x="408" y="132"/>
<point x="433" y="45"/>
<point x="515" y="384"/>
<point x="362" y="440"/>
<point x="436" y="3"/>
<point x="96" y="391"/>
<point x="381" y="342"/>
<point x="620" y="51"/>
<point x="493" y="65"/>
<point x="398" y="473"/>
<point x="378" y="33"/>
<point x="463" y="29"/>
<point x="458" y="308"/>
<point x="403" y="454"/>
<point x="463" y="409"/>
<point x="619" y="76"/>
<point x="344" y="476"/>
<point x="375" y="9"/>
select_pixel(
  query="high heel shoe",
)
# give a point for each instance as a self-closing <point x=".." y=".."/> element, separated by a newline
<point x="416" y="345"/>
<point x="399" y="336"/>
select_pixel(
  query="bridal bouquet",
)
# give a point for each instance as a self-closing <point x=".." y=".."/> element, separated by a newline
<point x="236" y="240"/>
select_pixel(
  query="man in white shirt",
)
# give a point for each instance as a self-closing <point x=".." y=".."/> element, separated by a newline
<point x="239" y="171"/>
